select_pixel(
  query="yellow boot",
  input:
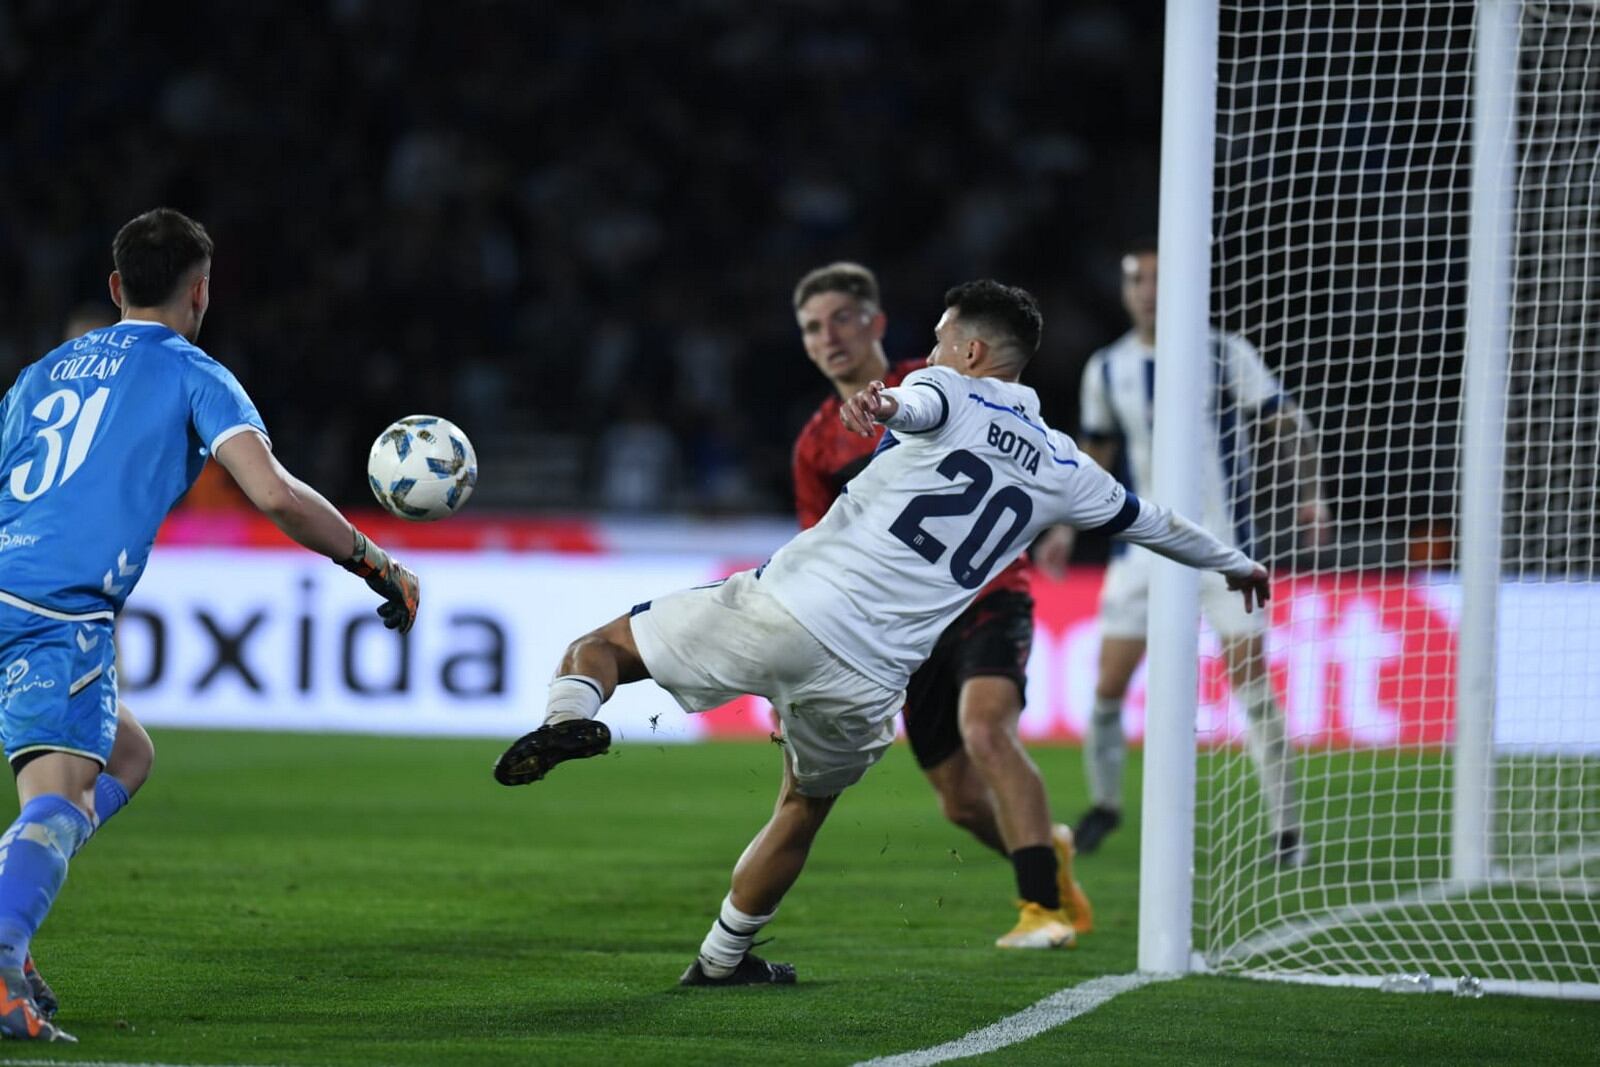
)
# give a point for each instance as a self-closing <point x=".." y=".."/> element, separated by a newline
<point x="1074" y="902"/>
<point x="1039" y="927"/>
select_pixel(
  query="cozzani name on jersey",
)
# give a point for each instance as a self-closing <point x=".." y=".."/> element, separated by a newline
<point x="1013" y="445"/>
<point x="89" y="359"/>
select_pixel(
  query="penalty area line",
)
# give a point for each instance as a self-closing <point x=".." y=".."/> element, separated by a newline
<point x="1058" y="1008"/>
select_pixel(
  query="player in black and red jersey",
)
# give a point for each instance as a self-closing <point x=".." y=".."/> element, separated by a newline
<point x="964" y="704"/>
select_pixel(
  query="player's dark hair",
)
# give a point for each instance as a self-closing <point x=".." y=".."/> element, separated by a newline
<point x="843" y="277"/>
<point x="1143" y="244"/>
<point x="154" y="251"/>
<point x="1008" y="313"/>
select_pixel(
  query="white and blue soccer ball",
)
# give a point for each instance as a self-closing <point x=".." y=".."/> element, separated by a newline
<point x="422" y="468"/>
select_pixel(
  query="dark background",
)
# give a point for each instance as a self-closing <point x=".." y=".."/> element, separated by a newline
<point x="574" y="228"/>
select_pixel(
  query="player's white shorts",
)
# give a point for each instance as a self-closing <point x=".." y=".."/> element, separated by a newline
<point x="1125" y="601"/>
<point x="712" y="644"/>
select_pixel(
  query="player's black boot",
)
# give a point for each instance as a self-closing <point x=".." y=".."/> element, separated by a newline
<point x="531" y="756"/>
<point x="20" y="1017"/>
<point x="752" y="970"/>
<point x="1093" y="827"/>
<point x="43" y="995"/>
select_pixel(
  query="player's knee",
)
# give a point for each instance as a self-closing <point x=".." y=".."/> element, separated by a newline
<point x="1111" y="689"/>
<point x="987" y="738"/>
<point x="55" y="823"/>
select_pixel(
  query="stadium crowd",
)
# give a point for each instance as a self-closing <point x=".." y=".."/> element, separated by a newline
<point x="583" y="219"/>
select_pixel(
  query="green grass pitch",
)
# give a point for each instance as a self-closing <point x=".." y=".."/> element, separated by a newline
<point x="284" y="899"/>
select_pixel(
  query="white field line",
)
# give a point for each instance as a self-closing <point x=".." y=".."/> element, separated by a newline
<point x="1049" y="1013"/>
<point x="1298" y="931"/>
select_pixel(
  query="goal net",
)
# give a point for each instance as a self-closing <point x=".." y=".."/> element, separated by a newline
<point x="1344" y="252"/>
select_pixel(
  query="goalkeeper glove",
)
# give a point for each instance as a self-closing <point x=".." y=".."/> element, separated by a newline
<point x="386" y="577"/>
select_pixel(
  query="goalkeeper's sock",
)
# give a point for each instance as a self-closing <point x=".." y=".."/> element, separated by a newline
<point x="572" y="696"/>
<point x="1103" y="753"/>
<point x="1269" y="747"/>
<point x="33" y="865"/>
<point x="110" y="797"/>
<point x="1036" y="867"/>
<point x="730" y="937"/>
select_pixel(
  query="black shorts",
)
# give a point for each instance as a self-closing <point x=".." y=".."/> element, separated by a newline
<point x="992" y="638"/>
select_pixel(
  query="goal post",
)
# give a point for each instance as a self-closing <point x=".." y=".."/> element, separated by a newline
<point x="1483" y="428"/>
<point x="1166" y="866"/>
<point x="1380" y="230"/>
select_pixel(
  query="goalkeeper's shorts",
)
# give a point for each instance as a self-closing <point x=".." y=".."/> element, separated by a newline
<point x="712" y="644"/>
<point x="58" y="686"/>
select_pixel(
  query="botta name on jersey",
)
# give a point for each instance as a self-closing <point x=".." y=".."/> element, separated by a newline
<point x="1014" y="447"/>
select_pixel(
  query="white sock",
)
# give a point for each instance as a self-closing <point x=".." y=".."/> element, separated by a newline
<point x="729" y="939"/>
<point x="1269" y="747"/>
<point x="1103" y="753"/>
<point x="572" y="696"/>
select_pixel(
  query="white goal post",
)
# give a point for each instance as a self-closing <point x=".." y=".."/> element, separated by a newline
<point x="1380" y="268"/>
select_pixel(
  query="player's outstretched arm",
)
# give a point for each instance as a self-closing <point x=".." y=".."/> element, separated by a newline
<point x="306" y="516"/>
<point x="1167" y="533"/>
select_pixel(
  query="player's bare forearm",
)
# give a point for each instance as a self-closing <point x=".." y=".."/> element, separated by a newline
<point x="863" y="412"/>
<point x="293" y="506"/>
<point x="306" y="516"/>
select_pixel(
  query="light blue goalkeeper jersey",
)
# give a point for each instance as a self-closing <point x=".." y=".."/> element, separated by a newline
<point x="98" y="440"/>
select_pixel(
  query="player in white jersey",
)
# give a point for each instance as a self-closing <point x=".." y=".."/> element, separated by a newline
<point x="832" y="626"/>
<point x="1117" y="425"/>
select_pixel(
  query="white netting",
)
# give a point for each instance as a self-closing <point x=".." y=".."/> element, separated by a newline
<point x="1344" y="192"/>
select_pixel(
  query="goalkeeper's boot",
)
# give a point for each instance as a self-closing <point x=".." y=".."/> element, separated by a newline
<point x="752" y="970"/>
<point x="1074" y="901"/>
<point x="20" y="1018"/>
<point x="531" y="756"/>
<point x="1039" y="927"/>
<point x="1093" y="827"/>
<point x="43" y="995"/>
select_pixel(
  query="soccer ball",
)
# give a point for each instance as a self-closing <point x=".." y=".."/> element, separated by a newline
<point x="422" y="468"/>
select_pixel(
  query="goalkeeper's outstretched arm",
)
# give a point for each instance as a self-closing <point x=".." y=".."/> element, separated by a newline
<point x="305" y="515"/>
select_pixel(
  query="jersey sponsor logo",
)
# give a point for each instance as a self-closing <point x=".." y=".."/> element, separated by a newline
<point x="9" y="540"/>
<point x="1012" y="445"/>
<point x="112" y="338"/>
<point x="89" y="365"/>
<point x="17" y="680"/>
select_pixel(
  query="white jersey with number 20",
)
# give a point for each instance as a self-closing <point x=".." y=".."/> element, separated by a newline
<point x="965" y="478"/>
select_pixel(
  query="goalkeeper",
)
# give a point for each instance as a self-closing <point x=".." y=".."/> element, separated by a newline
<point x="1118" y="406"/>
<point x="98" y="440"/>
